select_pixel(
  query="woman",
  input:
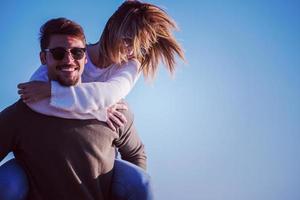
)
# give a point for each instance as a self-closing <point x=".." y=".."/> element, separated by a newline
<point x="135" y="39"/>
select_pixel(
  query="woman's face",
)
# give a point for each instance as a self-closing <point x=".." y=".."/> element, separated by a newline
<point x="128" y="47"/>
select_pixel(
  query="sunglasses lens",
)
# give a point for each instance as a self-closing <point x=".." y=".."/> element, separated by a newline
<point x="58" y="53"/>
<point x="77" y="53"/>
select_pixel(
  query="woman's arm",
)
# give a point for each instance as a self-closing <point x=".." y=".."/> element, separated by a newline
<point x="41" y="74"/>
<point x="38" y="88"/>
<point x="84" y="100"/>
<point x="87" y="97"/>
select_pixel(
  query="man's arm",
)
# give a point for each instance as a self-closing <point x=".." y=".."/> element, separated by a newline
<point x="7" y="131"/>
<point x="130" y="145"/>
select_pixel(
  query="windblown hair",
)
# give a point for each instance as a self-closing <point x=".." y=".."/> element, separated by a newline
<point x="59" y="26"/>
<point x="148" y="29"/>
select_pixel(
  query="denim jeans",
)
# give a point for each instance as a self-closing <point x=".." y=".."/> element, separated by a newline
<point x="130" y="182"/>
<point x="13" y="181"/>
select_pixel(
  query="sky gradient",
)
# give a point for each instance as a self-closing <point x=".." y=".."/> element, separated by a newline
<point x="227" y="126"/>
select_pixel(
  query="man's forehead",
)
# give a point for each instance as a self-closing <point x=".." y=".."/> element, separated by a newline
<point x="65" y="41"/>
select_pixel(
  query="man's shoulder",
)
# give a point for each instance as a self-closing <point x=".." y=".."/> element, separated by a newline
<point x="13" y="107"/>
<point x="13" y="110"/>
<point x="128" y="114"/>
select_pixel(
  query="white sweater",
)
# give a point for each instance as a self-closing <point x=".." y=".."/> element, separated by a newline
<point x="89" y="99"/>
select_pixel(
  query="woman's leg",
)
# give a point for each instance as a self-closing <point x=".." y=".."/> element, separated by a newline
<point x="13" y="181"/>
<point x="130" y="182"/>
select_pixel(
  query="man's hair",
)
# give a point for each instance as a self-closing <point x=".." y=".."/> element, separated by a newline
<point x="150" y="29"/>
<point x="60" y="26"/>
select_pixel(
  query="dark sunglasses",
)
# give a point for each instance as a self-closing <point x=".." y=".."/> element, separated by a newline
<point x="58" y="53"/>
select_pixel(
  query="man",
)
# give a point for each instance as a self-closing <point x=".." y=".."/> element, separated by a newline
<point x="65" y="158"/>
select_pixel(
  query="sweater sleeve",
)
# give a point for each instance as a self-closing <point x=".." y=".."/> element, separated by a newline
<point x="7" y="132"/>
<point x="87" y="100"/>
<point x="44" y="107"/>
<point x="88" y="97"/>
<point x="129" y="143"/>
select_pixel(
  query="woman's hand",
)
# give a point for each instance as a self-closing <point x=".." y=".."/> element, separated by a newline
<point x="34" y="91"/>
<point x="116" y="119"/>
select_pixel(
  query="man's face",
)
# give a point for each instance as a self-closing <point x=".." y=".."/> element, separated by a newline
<point x="66" y="70"/>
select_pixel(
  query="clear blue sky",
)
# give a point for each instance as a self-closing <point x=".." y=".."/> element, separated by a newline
<point x="227" y="127"/>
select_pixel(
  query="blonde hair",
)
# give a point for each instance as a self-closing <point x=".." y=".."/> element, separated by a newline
<point x="150" y="30"/>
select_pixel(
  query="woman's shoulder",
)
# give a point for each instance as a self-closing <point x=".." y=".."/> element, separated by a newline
<point x="92" y="53"/>
<point x="132" y="63"/>
<point x="90" y="67"/>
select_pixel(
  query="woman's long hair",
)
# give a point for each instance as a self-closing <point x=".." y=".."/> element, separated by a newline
<point x="148" y="31"/>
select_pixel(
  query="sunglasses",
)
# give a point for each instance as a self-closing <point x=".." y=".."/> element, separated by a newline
<point x="59" y="53"/>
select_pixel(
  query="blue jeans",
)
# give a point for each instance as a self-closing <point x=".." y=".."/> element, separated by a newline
<point x="129" y="182"/>
<point x="13" y="181"/>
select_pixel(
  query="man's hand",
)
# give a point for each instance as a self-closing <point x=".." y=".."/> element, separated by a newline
<point x="115" y="118"/>
<point x="34" y="91"/>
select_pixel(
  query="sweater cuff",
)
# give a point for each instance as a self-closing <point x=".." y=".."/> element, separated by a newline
<point x="58" y="97"/>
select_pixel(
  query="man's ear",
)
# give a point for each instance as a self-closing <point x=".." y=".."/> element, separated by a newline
<point x="85" y="60"/>
<point x="43" y="57"/>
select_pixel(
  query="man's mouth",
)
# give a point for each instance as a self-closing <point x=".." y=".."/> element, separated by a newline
<point x="67" y="68"/>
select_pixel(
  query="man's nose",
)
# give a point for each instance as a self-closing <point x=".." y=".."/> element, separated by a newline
<point x="68" y="58"/>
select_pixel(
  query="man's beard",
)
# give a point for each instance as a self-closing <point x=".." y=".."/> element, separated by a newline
<point x="63" y="79"/>
<point x="69" y="82"/>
